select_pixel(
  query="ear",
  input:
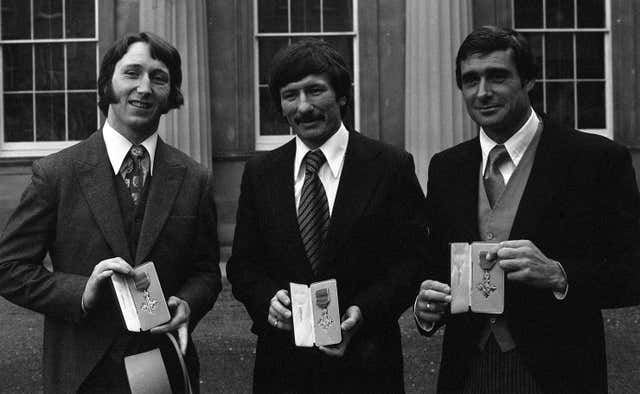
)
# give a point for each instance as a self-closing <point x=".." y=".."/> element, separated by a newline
<point x="529" y="85"/>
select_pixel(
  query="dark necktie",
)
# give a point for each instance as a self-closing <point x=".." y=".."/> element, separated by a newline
<point x="493" y="180"/>
<point x="313" y="210"/>
<point x="134" y="170"/>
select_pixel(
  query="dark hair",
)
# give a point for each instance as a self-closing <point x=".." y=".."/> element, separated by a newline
<point x="309" y="56"/>
<point x="160" y="50"/>
<point x="487" y="39"/>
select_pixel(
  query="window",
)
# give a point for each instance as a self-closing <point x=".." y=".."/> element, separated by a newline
<point x="571" y="41"/>
<point x="280" y="22"/>
<point x="49" y="56"/>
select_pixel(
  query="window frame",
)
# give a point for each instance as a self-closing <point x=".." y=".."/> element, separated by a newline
<point x="269" y="142"/>
<point x="608" y="66"/>
<point x="42" y="148"/>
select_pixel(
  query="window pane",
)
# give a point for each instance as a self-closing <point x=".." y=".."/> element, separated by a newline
<point x="81" y="65"/>
<point x="344" y="45"/>
<point x="591" y="13"/>
<point x="305" y="15"/>
<point x="83" y="115"/>
<point x="50" y="117"/>
<point x="80" y="18"/>
<point x="17" y="67"/>
<point x="271" y="122"/>
<point x="559" y="13"/>
<point x="560" y="102"/>
<point x="536" y="98"/>
<point x="535" y="41"/>
<point x="18" y="117"/>
<point x="559" y="51"/>
<point x="272" y="16"/>
<point x="527" y="14"/>
<point x="591" y="108"/>
<point x="47" y="18"/>
<point x="337" y="15"/>
<point x="16" y="19"/>
<point x="49" y="67"/>
<point x="590" y="55"/>
<point x="267" y="48"/>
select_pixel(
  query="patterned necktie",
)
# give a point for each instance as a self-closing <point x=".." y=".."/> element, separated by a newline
<point x="134" y="170"/>
<point x="493" y="180"/>
<point x="313" y="210"/>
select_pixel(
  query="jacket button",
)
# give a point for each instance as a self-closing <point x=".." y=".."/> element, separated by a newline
<point x="492" y="320"/>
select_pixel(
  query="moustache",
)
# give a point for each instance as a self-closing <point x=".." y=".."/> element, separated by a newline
<point x="308" y="118"/>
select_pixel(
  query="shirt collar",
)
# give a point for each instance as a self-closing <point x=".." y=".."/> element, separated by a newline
<point x="516" y="145"/>
<point x="118" y="147"/>
<point x="333" y="149"/>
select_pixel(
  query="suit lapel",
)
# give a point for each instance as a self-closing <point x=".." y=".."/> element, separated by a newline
<point x="464" y="175"/>
<point x="549" y="170"/>
<point x="95" y="176"/>
<point x="358" y="181"/>
<point x="282" y="199"/>
<point x="168" y="174"/>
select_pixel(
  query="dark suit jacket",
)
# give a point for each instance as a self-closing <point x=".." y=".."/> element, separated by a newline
<point x="371" y="249"/>
<point x="70" y="210"/>
<point x="581" y="208"/>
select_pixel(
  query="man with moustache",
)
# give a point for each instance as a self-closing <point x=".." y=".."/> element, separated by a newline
<point x="120" y="198"/>
<point x="563" y="206"/>
<point x="365" y="234"/>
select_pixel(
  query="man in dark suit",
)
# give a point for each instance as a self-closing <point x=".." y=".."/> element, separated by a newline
<point x="118" y="199"/>
<point x="367" y="235"/>
<point x="562" y="206"/>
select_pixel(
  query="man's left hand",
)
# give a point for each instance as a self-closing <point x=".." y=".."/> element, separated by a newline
<point x="180" y="313"/>
<point x="524" y="262"/>
<point x="351" y="321"/>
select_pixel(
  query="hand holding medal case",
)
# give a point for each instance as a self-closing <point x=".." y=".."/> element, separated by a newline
<point x="315" y="313"/>
<point x="476" y="283"/>
<point x="140" y="298"/>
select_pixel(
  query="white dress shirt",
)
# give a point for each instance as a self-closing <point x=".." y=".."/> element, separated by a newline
<point x="329" y="173"/>
<point x="118" y="147"/>
<point x="516" y="145"/>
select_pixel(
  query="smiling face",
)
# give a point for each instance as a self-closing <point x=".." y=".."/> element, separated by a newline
<point x="140" y="88"/>
<point x="312" y="109"/>
<point x="496" y="97"/>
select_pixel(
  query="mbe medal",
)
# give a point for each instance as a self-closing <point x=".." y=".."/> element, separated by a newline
<point x="323" y="299"/>
<point x="142" y="282"/>
<point x="485" y="285"/>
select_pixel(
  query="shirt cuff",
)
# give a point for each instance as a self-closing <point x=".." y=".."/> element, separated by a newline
<point x="561" y="295"/>
<point x="427" y="327"/>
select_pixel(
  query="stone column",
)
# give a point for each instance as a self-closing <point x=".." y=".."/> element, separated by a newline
<point x="184" y="24"/>
<point x="435" y="116"/>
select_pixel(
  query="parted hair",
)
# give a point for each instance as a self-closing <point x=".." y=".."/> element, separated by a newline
<point x="160" y="50"/>
<point x="309" y="56"/>
<point x="487" y="39"/>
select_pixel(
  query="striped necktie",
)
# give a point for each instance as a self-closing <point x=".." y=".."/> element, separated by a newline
<point x="313" y="210"/>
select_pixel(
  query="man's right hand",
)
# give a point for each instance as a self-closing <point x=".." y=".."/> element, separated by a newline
<point x="432" y="302"/>
<point x="279" y="313"/>
<point x="102" y="271"/>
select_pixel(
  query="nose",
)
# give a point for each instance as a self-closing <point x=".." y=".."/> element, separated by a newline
<point x="144" y="84"/>
<point x="303" y="103"/>
<point x="484" y="88"/>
